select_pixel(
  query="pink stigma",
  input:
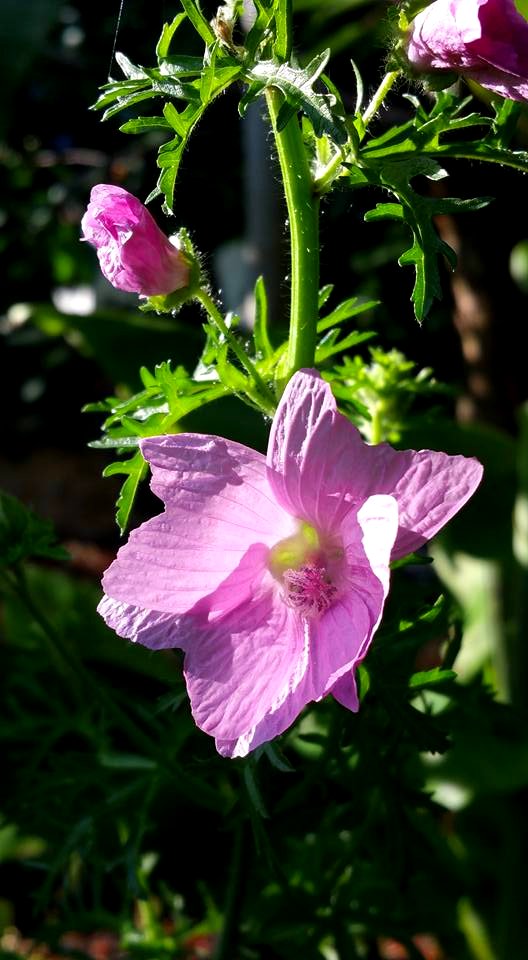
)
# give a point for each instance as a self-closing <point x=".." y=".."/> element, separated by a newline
<point x="309" y="589"/>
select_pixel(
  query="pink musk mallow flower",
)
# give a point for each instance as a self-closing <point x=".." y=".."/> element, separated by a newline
<point x="271" y="572"/>
<point x="134" y="254"/>
<point x="485" y="40"/>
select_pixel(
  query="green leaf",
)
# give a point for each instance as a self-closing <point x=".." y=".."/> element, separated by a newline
<point x="200" y="24"/>
<point x="131" y="71"/>
<point x="165" y="40"/>
<point x="430" y="678"/>
<point x="117" y="90"/>
<point x="115" y="442"/>
<point x="324" y="294"/>
<point x="417" y="212"/>
<point x="207" y="77"/>
<point x="296" y="85"/>
<point x="329" y="345"/>
<point x="277" y="758"/>
<point x="411" y="558"/>
<point x="360" y="90"/>
<point x="283" y="40"/>
<point x="24" y="535"/>
<point x="169" y="159"/>
<point x="424" y="135"/>
<point x="129" y="100"/>
<point x="136" y="470"/>
<point x="144" y="124"/>
<point x="345" y="311"/>
<point x="265" y="14"/>
<point x="181" y="65"/>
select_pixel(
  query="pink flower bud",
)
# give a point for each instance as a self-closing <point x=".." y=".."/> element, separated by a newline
<point x="484" y="40"/>
<point x="134" y="254"/>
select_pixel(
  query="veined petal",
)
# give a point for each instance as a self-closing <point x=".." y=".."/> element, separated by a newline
<point x="330" y="651"/>
<point x="312" y="451"/>
<point x="158" y="629"/>
<point x="220" y="510"/>
<point x="244" y="665"/>
<point x="335" y="643"/>
<point x="319" y="467"/>
<point x="345" y="691"/>
<point x="204" y="474"/>
<point x="155" y="630"/>
<point x="430" y="488"/>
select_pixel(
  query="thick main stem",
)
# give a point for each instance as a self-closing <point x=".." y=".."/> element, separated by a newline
<point x="303" y="215"/>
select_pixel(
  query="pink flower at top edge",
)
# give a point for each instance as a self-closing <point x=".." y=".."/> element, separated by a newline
<point x="271" y="572"/>
<point x="486" y="40"/>
<point x="134" y="254"/>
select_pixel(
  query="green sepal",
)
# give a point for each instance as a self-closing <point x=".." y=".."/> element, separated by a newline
<point x="171" y="302"/>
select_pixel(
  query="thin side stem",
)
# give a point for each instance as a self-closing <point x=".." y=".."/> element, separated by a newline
<point x="267" y="398"/>
<point x="303" y="215"/>
<point x="377" y="100"/>
<point x="328" y="175"/>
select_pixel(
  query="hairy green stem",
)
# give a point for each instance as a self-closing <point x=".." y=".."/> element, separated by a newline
<point x="266" y="397"/>
<point x="377" y="100"/>
<point x="303" y="214"/>
<point x="330" y="172"/>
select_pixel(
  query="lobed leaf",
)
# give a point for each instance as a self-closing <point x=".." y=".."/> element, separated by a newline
<point x="165" y="40"/>
<point x="136" y="470"/>
<point x="296" y="85"/>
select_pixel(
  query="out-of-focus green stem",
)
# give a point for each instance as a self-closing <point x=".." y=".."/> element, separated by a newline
<point x="303" y="218"/>
<point x="376" y="431"/>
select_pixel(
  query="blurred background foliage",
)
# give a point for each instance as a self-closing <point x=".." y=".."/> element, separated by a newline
<point x="122" y="834"/>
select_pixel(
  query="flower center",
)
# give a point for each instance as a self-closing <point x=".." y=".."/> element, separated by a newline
<point x="309" y="589"/>
<point x="306" y="565"/>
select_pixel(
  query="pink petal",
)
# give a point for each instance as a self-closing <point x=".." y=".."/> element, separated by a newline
<point x="440" y="32"/>
<point x="134" y="254"/>
<point x="430" y="488"/>
<point x="244" y="665"/>
<point x="312" y="453"/>
<point x="336" y="642"/>
<point x="329" y="652"/>
<point x="345" y="692"/>
<point x="219" y="507"/>
<point x="319" y="467"/>
<point x="157" y="631"/>
<point x="485" y="39"/>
